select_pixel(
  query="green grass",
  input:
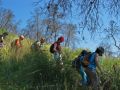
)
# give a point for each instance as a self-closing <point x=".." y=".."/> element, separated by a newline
<point x="29" y="70"/>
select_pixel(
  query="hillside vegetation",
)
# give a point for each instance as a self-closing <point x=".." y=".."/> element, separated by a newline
<point x="30" y="70"/>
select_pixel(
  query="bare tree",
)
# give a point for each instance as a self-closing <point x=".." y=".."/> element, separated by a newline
<point x="6" y="20"/>
<point x="90" y="12"/>
<point x="52" y="29"/>
<point x="34" y="26"/>
<point x="107" y="46"/>
<point x="54" y="15"/>
<point x="112" y="38"/>
<point x="112" y="33"/>
<point x="5" y="17"/>
<point x="69" y="32"/>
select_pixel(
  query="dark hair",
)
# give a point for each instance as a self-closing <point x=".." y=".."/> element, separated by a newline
<point x="5" y="34"/>
<point x="84" y="52"/>
<point x="100" y="51"/>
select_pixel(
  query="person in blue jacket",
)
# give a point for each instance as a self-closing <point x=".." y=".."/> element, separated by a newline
<point x="91" y="68"/>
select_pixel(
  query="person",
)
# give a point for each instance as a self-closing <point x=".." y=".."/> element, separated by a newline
<point x="1" y="42"/>
<point x="17" y="43"/>
<point x="77" y="63"/>
<point x="55" y="49"/>
<point x="91" y="68"/>
<point x="5" y="34"/>
<point x="85" y="79"/>
<point x="42" y="41"/>
<point x="2" y="37"/>
<point x="38" y="45"/>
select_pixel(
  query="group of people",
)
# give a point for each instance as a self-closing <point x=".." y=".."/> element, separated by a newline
<point x="88" y="73"/>
<point x="38" y="45"/>
<point x="16" y="44"/>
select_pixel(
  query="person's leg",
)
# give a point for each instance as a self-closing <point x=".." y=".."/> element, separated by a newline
<point x="58" y="60"/>
<point x="56" y="56"/>
<point x="83" y="75"/>
<point x="93" y="78"/>
<point x="95" y="81"/>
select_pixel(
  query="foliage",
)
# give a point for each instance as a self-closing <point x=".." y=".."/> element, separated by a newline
<point x="37" y="69"/>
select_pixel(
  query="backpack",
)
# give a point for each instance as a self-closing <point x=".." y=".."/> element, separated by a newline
<point x="86" y="59"/>
<point x="76" y="63"/>
<point x="52" y="48"/>
<point x="82" y="59"/>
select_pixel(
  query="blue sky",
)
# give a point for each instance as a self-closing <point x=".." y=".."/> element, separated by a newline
<point x="22" y="10"/>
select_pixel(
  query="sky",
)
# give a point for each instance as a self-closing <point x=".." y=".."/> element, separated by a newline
<point x="22" y="10"/>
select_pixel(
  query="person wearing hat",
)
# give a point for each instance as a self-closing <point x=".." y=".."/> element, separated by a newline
<point x="38" y="45"/>
<point x="91" y="68"/>
<point x="17" y="43"/>
<point x="1" y="42"/>
<point x="2" y="37"/>
<point x="55" y="49"/>
<point x="42" y="41"/>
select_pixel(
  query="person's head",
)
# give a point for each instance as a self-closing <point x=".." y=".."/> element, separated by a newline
<point x="42" y="40"/>
<point x="1" y="39"/>
<point x="5" y="34"/>
<point x="100" y="51"/>
<point x="21" y="37"/>
<point x="61" y="39"/>
<point x="84" y="52"/>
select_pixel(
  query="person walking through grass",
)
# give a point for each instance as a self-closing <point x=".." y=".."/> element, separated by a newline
<point x="38" y="45"/>
<point x="55" y="49"/>
<point x="91" y="68"/>
<point x="2" y="37"/>
<point x="17" y="43"/>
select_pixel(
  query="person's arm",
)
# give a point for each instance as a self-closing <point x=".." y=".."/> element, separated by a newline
<point x="38" y="44"/>
<point x="59" y="49"/>
<point x="55" y="46"/>
<point x="97" y="63"/>
<point x="17" y="43"/>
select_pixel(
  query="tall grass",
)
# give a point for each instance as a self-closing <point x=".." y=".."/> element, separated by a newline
<point x="36" y="70"/>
